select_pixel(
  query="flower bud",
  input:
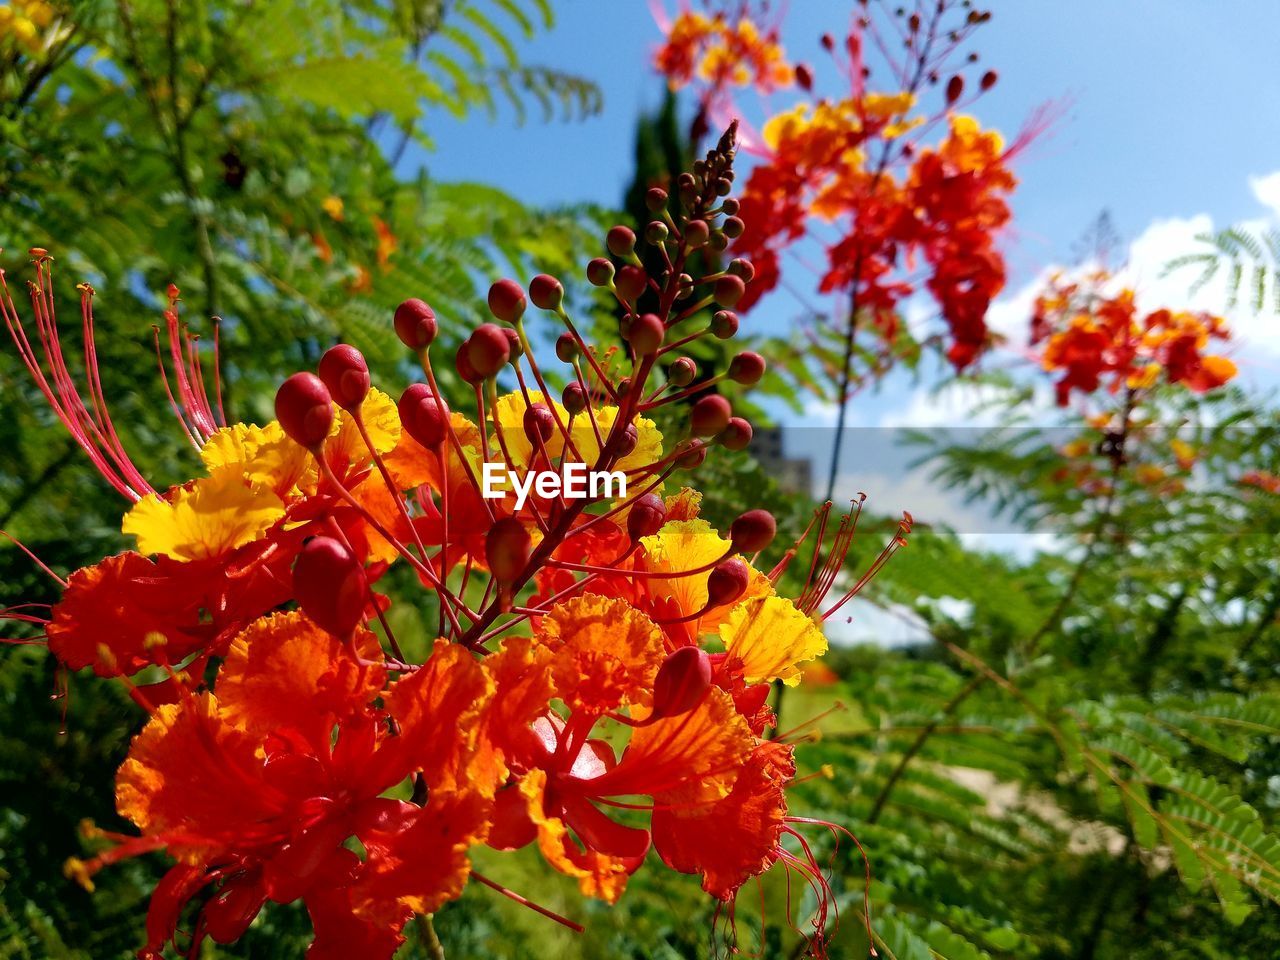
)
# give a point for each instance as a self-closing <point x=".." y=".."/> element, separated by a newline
<point x="753" y="531"/>
<point x="415" y="324"/>
<point x="955" y="88"/>
<point x="630" y="283"/>
<point x="546" y="292"/>
<point x="737" y="435"/>
<point x="506" y="301"/>
<point x="627" y="440"/>
<point x="574" y="398"/>
<point x="329" y="585"/>
<point x="690" y="455"/>
<point x="724" y="185"/>
<point x="719" y="242"/>
<point x="804" y="77"/>
<point x="600" y="272"/>
<point x="988" y="80"/>
<point x="655" y="199"/>
<point x="462" y="363"/>
<point x="304" y="409"/>
<point x="682" y="682"/>
<point x="488" y="349"/>
<point x="742" y="268"/>
<point x="733" y="227"/>
<point x="656" y="232"/>
<point x="696" y="233"/>
<point x="506" y="549"/>
<point x="727" y="581"/>
<point x="424" y="416"/>
<point x="682" y="372"/>
<point x="646" y="516"/>
<point x="730" y="207"/>
<point x="746" y="368"/>
<point x="343" y="371"/>
<point x="567" y="347"/>
<point x="514" y="343"/>
<point x="729" y="290"/>
<point x="539" y="423"/>
<point x="646" y="334"/>
<point x="724" y="324"/>
<point x="710" y="415"/>
<point x="621" y="241"/>
<point x="623" y="388"/>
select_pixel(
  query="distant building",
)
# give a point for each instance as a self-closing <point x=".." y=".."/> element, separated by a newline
<point x="793" y="474"/>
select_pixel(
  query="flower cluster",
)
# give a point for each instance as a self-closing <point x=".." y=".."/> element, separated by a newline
<point x="858" y="173"/>
<point x="599" y="683"/>
<point x="721" y="53"/>
<point x="1094" y="338"/>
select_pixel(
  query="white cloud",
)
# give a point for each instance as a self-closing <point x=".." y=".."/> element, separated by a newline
<point x="1267" y="189"/>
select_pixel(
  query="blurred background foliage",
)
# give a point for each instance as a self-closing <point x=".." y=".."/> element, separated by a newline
<point x="1077" y="759"/>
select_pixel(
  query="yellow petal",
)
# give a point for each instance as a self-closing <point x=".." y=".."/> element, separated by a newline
<point x="768" y="637"/>
<point x="204" y="519"/>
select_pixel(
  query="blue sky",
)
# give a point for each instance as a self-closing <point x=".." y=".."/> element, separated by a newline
<point x="1168" y="123"/>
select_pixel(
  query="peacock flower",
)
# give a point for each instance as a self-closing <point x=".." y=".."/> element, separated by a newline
<point x="598" y="648"/>
<point x="1096" y="338"/>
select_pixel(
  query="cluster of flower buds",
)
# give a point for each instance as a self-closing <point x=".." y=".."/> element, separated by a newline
<point x="575" y="589"/>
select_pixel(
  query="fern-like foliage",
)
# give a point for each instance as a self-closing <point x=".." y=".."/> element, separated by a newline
<point x="1246" y="259"/>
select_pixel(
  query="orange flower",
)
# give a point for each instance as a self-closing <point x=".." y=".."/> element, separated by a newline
<point x="1091" y="336"/>
<point x="255" y="788"/>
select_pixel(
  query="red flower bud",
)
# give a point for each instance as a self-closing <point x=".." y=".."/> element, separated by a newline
<point x="655" y="199"/>
<point x="513" y="343"/>
<point x="329" y="585"/>
<point x="506" y="301"/>
<point x="746" y="368"/>
<point x="488" y="349"/>
<point x="305" y="409"/>
<point x="696" y="233"/>
<point x="690" y="455"/>
<point x="682" y="682"/>
<point x="753" y="531"/>
<point x="730" y="207"/>
<point x="656" y="232"/>
<point x="415" y="324"/>
<point x="546" y="292"/>
<point x="989" y="80"/>
<point x="539" y="423"/>
<point x="729" y="290"/>
<point x="628" y="440"/>
<point x="682" y="372"/>
<point x="955" y="87"/>
<point x="574" y="398"/>
<point x="710" y="415"/>
<point x="646" y="517"/>
<point x="737" y="435"/>
<point x="733" y="227"/>
<point x="743" y="268"/>
<point x="724" y="324"/>
<point x="646" y="334"/>
<point x="462" y="363"/>
<point x="506" y="549"/>
<point x="599" y="272"/>
<point x="621" y="241"/>
<point x="424" y="416"/>
<point x="630" y="283"/>
<point x="727" y="582"/>
<point x="343" y="370"/>
<point x="567" y="347"/>
<point x="804" y="77"/>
